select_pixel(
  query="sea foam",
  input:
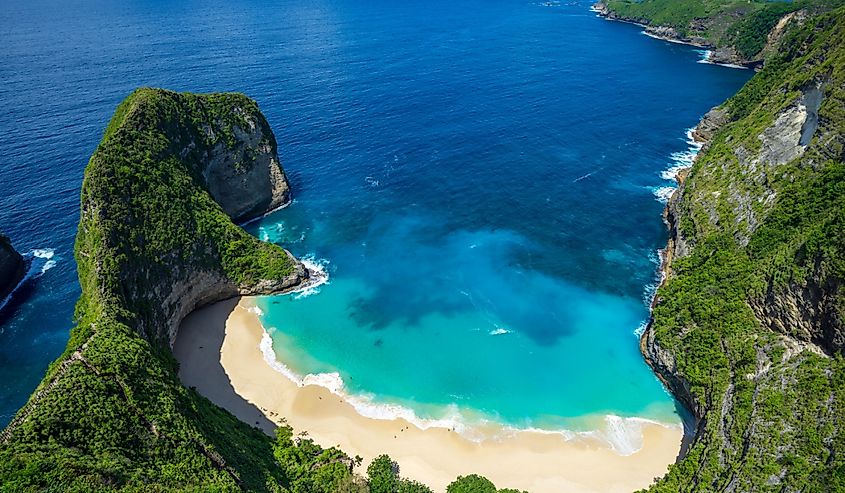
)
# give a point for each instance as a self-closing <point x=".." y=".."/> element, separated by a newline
<point x="271" y="211"/>
<point x="663" y="194"/>
<point x="318" y="269"/>
<point x="678" y="161"/>
<point x="706" y="58"/>
<point x="624" y="435"/>
<point x="364" y="404"/>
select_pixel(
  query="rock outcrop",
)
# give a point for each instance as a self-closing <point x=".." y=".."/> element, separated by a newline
<point x="807" y="311"/>
<point x="12" y="267"/>
<point x="712" y="121"/>
<point x="246" y="178"/>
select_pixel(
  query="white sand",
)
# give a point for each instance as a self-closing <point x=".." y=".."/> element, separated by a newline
<point x="218" y="350"/>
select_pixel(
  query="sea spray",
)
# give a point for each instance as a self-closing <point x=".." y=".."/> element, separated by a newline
<point x="319" y="276"/>
<point x="678" y="162"/>
<point x="663" y="194"/>
<point x="624" y="435"/>
<point x="650" y="290"/>
<point x="707" y="58"/>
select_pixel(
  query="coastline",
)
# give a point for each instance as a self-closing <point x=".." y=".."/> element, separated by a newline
<point x="652" y="354"/>
<point x="218" y="349"/>
<point x="668" y="34"/>
<point x="648" y="30"/>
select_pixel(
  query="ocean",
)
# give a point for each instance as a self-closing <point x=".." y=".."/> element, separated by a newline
<point x="482" y="181"/>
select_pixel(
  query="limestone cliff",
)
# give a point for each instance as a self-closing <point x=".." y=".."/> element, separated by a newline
<point x="12" y="267"/>
<point x="156" y="240"/>
<point x="747" y="328"/>
<point x="246" y="178"/>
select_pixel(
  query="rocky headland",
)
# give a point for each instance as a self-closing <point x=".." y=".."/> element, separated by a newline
<point x="746" y="329"/>
<point x="157" y="240"/>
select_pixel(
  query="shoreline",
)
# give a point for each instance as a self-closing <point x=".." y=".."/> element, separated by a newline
<point x="679" y="173"/>
<point x="218" y="349"/>
<point x="648" y="30"/>
<point x="652" y="32"/>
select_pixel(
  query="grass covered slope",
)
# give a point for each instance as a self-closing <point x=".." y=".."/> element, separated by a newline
<point x="152" y="244"/>
<point x="749" y="328"/>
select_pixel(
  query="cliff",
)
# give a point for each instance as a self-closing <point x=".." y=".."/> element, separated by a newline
<point x="736" y="32"/>
<point x="747" y="329"/>
<point x="156" y="240"/>
<point x="12" y="267"/>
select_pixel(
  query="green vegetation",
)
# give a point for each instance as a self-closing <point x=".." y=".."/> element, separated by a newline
<point x="748" y="328"/>
<point x="111" y="414"/>
<point x="749" y="35"/>
<point x="475" y="484"/>
<point x="772" y="407"/>
<point x="309" y="468"/>
<point x="383" y="477"/>
<point x="741" y="24"/>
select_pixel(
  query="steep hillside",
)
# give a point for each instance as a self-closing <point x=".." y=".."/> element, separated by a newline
<point x="748" y="328"/>
<point x="155" y="240"/>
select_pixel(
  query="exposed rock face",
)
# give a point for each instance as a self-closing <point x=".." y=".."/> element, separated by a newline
<point x="777" y="32"/>
<point x="806" y="312"/>
<point x="727" y="55"/>
<point x="236" y="153"/>
<point x="12" y="267"/>
<point x="198" y="288"/>
<point x="756" y="162"/>
<point x="660" y="360"/>
<point x="678" y="246"/>
<point x="792" y="132"/>
<point x="712" y="121"/>
<point x="246" y="179"/>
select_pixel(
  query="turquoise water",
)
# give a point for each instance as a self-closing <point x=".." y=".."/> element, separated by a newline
<point x="461" y="168"/>
<point x="490" y="217"/>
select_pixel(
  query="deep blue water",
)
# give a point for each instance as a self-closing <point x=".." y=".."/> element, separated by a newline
<point x="463" y="167"/>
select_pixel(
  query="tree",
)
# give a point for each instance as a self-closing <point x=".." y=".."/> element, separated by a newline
<point x="411" y="486"/>
<point x="471" y="484"/>
<point x="383" y="475"/>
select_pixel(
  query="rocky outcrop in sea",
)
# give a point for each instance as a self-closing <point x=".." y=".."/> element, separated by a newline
<point x="12" y="267"/>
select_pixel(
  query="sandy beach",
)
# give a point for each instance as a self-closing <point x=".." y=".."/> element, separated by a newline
<point x="218" y="351"/>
